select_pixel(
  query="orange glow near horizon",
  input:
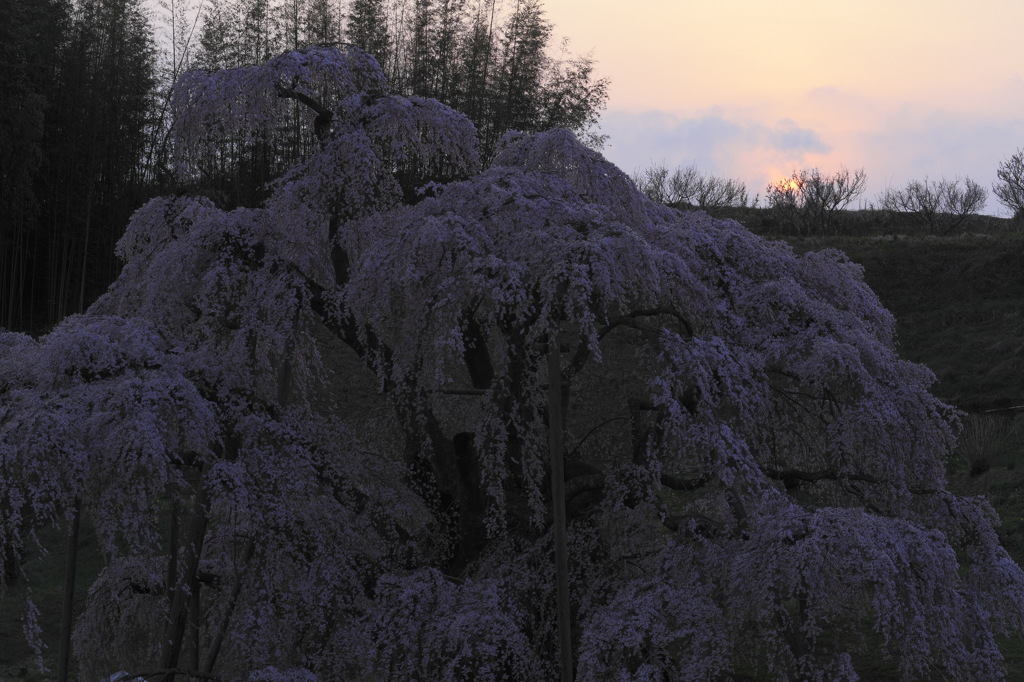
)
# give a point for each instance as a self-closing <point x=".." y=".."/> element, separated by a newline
<point x="902" y="90"/>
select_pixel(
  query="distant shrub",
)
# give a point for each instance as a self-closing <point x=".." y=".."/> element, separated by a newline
<point x="1009" y="189"/>
<point x="808" y="202"/>
<point x="936" y="207"/>
<point x="690" y="187"/>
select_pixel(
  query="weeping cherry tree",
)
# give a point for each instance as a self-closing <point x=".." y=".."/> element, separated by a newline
<point x="311" y="435"/>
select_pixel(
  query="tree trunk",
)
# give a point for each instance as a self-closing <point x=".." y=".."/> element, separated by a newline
<point x="178" y="620"/>
<point x="218" y="639"/>
<point x="555" y="437"/>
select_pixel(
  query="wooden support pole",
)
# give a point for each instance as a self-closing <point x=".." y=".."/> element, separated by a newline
<point x="556" y="445"/>
<point x="67" y="613"/>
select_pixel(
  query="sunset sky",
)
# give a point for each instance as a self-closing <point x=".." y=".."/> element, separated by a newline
<point x="754" y="89"/>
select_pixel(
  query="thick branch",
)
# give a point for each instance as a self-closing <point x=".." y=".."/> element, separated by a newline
<point x="460" y="391"/>
<point x="792" y="476"/>
<point x="595" y="483"/>
<point x="218" y="639"/>
<point x="345" y="328"/>
<point x="786" y="475"/>
<point x="339" y="256"/>
<point x="582" y="484"/>
<point x="324" y="116"/>
<point x="680" y="483"/>
<point x="628" y="320"/>
<point x="704" y="524"/>
<point x="178" y="618"/>
<point x="428" y="452"/>
<point x="174" y="671"/>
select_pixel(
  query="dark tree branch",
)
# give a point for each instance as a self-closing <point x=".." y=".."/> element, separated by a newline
<point x="210" y="659"/>
<point x="792" y="476"/>
<point x="339" y="256"/>
<point x="344" y="328"/>
<point x="324" y="116"/>
<point x="628" y="320"/>
<point x="476" y="355"/>
<point x="680" y="483"/>
<point x="785" y="475"/>
<point x="430" y="455"/>
<point x="576" y="450"/>
<point x="460" y="391"/>
<point x="596" y="482"/>
<point x="178" y="617"/>
<point x="583" y="484"/>
<point x="704" y="523"/>
<point x="174" y="671"/>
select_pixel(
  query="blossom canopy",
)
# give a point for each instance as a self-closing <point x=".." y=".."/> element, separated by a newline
<point x="338" y="400"/>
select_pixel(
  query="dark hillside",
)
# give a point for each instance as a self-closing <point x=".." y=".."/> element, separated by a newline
<point x="860" y="223"/>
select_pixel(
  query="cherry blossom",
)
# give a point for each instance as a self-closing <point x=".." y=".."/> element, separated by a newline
<point x="755" y="478"/>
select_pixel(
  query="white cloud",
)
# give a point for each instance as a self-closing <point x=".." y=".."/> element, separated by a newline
<point x="894" y="143"/>
<point x="712" y="139"/>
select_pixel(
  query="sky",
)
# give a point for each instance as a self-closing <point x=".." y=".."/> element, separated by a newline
<point x="756" y="89"/>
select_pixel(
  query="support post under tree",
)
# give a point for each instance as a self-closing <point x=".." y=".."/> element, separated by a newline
<point x="555" y="444"/>
<point x="67" y="612"/>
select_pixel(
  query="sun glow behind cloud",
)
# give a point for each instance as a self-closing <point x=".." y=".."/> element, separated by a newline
<point x="755" y="90"/>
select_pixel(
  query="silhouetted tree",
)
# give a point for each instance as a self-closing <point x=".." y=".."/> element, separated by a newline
<point x="810" y="200"/>
<point x="367" y="29"/>
<point x="477" y="59"/>
<point x="258" y="36"/>
<point x="1009" y="188"/>
<point x="323" y="22"/>
<point x="689" y="187"/>
<point x="572" y="97"/>
<point x="31" y="34"/>
<point x="937" y="207"/>
<point x="424" y="62"/>
<point x="522" y="62"/>
<point x="96" y="137"/>
<point x="218" y="47"/>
